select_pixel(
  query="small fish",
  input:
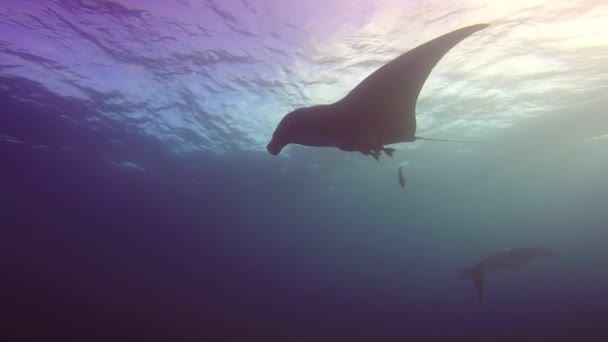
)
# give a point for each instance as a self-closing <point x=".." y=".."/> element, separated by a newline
<point x="402" y="179"/>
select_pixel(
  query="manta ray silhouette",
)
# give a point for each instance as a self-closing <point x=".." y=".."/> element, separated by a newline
<point x="380" y="110"/>
<point x="508" y="258"/>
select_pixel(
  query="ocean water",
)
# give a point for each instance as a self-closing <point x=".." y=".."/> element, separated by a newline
<point x="138" y="202"/>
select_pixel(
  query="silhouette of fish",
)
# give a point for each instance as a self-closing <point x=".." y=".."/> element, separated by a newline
<point x="402" y="179"/>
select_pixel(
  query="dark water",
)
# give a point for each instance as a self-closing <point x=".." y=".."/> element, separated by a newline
<point x="230" y="248"/>
<point x="117" y="227"/>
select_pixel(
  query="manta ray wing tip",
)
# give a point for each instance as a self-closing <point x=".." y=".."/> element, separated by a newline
<point x="479" y="27"/>
<point x="476" y="27"/>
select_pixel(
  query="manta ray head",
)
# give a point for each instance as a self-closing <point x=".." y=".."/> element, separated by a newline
<point x="282" y="135"/>
<point x="304" y="126"/>
<point x="276" y="144"/>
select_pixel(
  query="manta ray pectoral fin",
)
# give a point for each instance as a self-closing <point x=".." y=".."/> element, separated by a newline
<point x="479" y="288"/>
<point x="387" y="97"/>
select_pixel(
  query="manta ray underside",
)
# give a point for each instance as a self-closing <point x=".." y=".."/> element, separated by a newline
<point x="380" y="110"/>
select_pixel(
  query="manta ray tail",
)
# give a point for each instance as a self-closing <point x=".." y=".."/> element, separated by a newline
<point x="451" y="141"/>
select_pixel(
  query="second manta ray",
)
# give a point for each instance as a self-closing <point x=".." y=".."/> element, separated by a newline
<point x="508" y="258"/>
<point x="380" y="110"/>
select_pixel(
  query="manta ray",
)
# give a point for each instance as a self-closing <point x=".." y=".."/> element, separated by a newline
<point x="380" y="110"/>
<point x="508" y="258"/>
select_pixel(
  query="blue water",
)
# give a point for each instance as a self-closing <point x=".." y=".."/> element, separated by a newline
<point x="137" y="201"/>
